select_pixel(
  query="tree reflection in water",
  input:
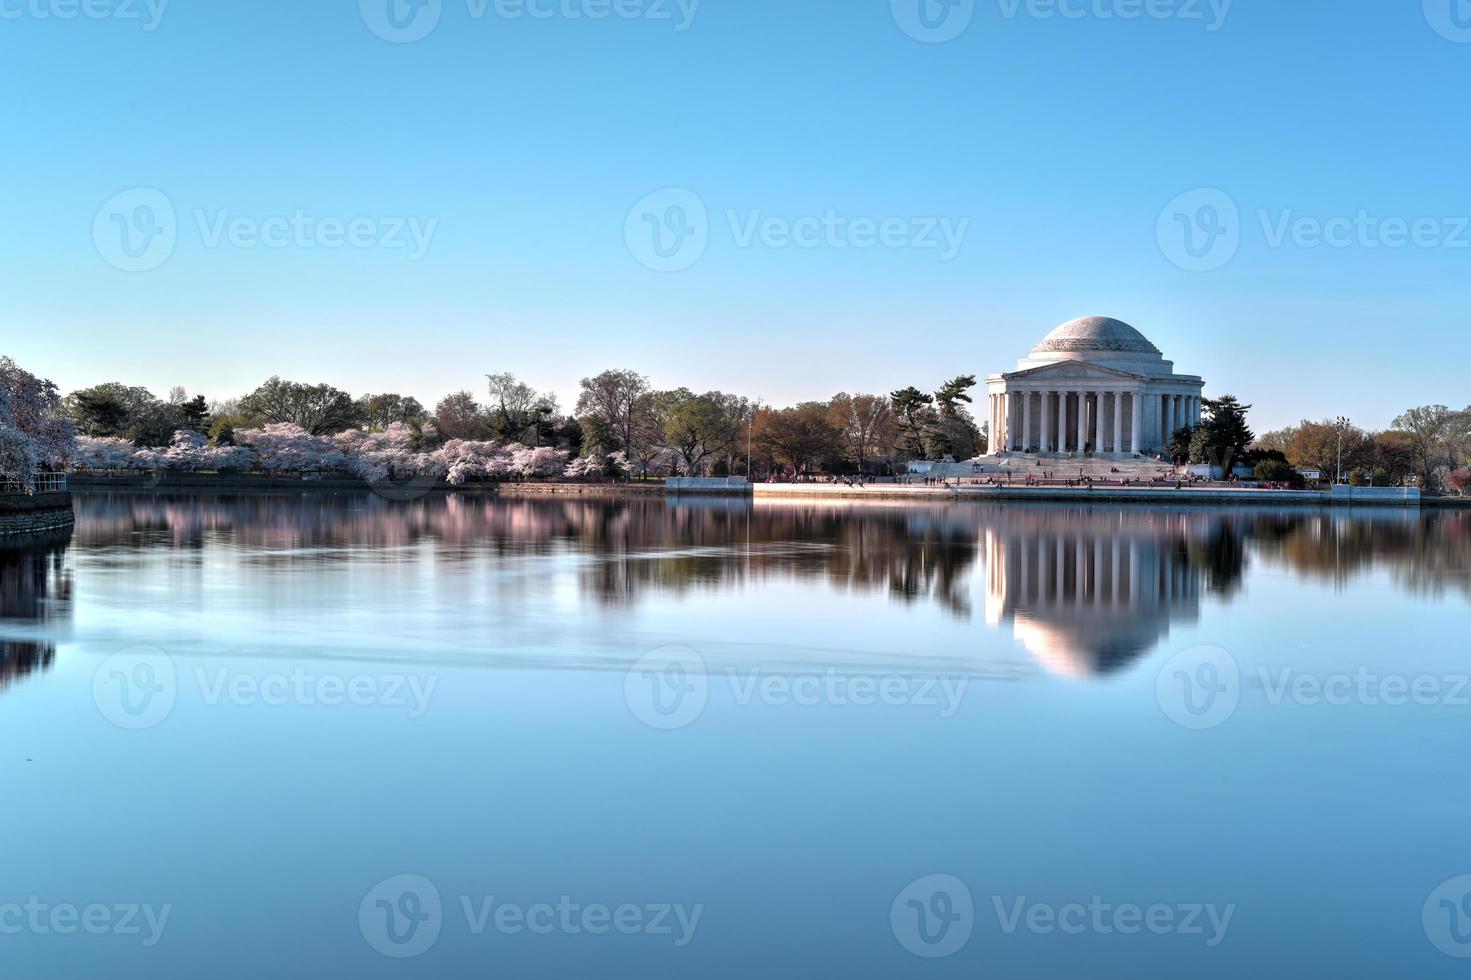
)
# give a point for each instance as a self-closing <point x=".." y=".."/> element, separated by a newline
<point x="35" y="589"/>
<point x="1087" y="590"/>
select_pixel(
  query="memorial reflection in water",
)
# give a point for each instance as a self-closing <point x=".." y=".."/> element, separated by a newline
<point x="1087" y="594"/>
<point x="1085" y="591"/>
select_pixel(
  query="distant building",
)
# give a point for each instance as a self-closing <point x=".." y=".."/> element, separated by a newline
<point x="1094" y="384"/>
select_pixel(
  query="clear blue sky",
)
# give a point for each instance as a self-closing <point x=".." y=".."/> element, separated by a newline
<point x="1061" y="140"/>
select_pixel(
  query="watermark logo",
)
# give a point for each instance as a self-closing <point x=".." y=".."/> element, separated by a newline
<point x="933" y="21"/>
<point x="667" y="688"/>
<point x="933" y="916"/>
<point x="401" y="21"/>
<point x="136" y="688"/>
<point x="1200" y="230"/>
<point x="1450" y="18"/>
<point x="401" y="917"/>
<point x="669" y="230"/>
<point x="1199" y="688"/>
<point x="136" y="230"/>
<point x="1446" y="917"/>
<point x="149" y="13"/>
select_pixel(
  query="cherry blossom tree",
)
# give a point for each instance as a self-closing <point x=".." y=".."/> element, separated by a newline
<point x="33" y="434"/>
<point x="284" y="447"/>
<point x="102" y="453"/>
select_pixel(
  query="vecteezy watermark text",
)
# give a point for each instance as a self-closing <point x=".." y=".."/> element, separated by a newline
<point x="670" y="229"/>
<point x="934" y="916"/>
<point x="668" y="688"/>
<point x="1202" y="229"/>
<point x="138" y="688"/>
<point x="1210" y="13"/>
<point x="148" y="13"/>
<point x="403" y="916"/>
<point x="138" y="229"/>
<point x="937" y="21"/>
<point x="406" y="21"/>
<point x="1098" y="917"/>
<point x="1202" y="687"/>
<point x="134" y="920"/>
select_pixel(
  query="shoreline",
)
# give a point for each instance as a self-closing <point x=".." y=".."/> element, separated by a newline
<point x="1194" y="496"/>
<point x="408" y="490"/>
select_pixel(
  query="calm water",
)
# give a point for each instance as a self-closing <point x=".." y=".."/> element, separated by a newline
<point x="333" y="736"/>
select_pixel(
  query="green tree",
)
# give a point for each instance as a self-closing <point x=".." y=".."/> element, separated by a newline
<point x="913" y="413"/>
<point x="1278" y="471"/>
<point x="1223" y="434"/>
<point x="952" y="432"/>
<point x="1431" y="433"/>
<point x="194" y="414"/>
<point x="801" y="437"/>
<point x="691" y="427"/>
<point x="109" y="409"/>
<point x="319" y="409"/>
<point x="377" y="412"/>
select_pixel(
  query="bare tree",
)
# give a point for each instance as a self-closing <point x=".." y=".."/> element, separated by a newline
<point x="866" y="424"/>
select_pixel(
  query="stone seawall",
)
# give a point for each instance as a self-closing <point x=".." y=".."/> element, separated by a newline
<point x="34" y="514"/>
<point x="1099" y="494"/>
<point x="409" y="489"/>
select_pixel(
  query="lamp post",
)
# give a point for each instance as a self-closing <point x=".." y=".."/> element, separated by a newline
<point x="1342" y="424"/>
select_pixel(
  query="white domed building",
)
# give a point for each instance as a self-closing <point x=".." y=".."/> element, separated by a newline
<point x="1093" y="385"/>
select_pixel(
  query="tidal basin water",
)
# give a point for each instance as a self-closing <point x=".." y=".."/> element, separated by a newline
<point x="344" y="736"/>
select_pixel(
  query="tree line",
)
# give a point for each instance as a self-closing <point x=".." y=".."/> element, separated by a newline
<point x="1429" y="445"/>
<point x="621" y="423"/>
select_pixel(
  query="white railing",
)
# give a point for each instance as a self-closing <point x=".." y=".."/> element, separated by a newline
<point x="45" y="483"/>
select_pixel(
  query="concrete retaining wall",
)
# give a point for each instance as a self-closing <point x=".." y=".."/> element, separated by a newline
<point x="1101" y="494"/>
<point x="34" y="514"/>
<point x="1408" y="496"/>
<point x="708" y="484"/>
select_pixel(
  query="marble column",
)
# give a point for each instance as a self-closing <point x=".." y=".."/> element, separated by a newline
<point x="1026" y="421"/>
<point x="1046" y="421"/>
<point x="1100" y="399"/>
<point x="1118" y="422"/>
<point x="1082" y="420"/>
<point x="1137" y="432"/>
<point x="1063" y="397"/>
<point x="1167" y="414"/>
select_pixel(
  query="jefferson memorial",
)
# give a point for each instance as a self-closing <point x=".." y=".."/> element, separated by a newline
<point x="1093" y="385"/>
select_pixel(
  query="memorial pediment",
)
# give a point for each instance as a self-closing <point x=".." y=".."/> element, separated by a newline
<point x="1071" y="371"/>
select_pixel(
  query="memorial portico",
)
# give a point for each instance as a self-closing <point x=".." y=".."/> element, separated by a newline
<point x="1093" y="385"/>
